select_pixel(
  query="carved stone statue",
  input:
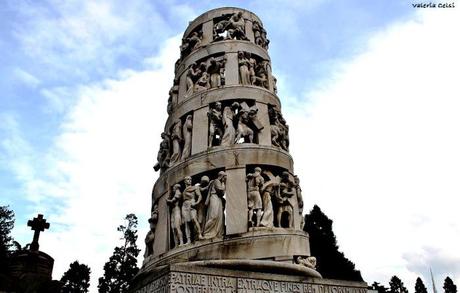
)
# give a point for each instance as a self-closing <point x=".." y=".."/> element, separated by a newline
<point x="215" y="70"/>
<point x="279" y="130"/>
<point x="228" y="120"/>
<point x="309" y="261"/>
<point x="254" y="182"/>
<point x="236" y="27"/>
<point x="176" y="137"/>
<point x="191" y="43"/>
<point x="284" y="205"/>
<point x="150" y="237"/>
<point x="173" y="92"/>
<point x="214" y="226"/>
<point x="187" y="133"/>
<point x="193" y="74"/>
<point x="260" y="35"/>
<point x="261" y="75"/>
<point x="244" y="65"/>
<point x="176" y="219"/>
<point x="191" y="198"/>
<point x="163" y="154"/>
<point x="269" y="190"/>
<point x="248" y="123"/>
<point x="298" y="192"/>
<point x="215" y="124"/>
<point x="252" y="67"/>
<point x="275" y="87"/>
<point x="200" y="207"/>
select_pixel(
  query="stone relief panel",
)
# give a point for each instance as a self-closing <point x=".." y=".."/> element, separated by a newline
<point x="229" y="27"/>
<point x="278" y="128"/>
<point x="205" y="74"/>
<point x="197" y="210"/>
<point x="191" y="42"/>
<point x="233" y="122"/>
<point x="253" y="70"/>
<point x="271" y="192"/>
<point x="260" y="35"/>
<point x="176" y="144"/>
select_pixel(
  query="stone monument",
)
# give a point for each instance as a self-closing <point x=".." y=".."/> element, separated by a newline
<point x="227" y="209"/>
<point x="29" y="269"/>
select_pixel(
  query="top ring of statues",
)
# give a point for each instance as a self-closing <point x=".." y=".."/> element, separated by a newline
<point x="222" y="24"/>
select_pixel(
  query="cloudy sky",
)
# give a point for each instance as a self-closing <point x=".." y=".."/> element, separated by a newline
<point x="370" y="90"/>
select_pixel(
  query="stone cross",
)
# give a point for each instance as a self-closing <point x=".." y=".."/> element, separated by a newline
<point x="38" y="224"/>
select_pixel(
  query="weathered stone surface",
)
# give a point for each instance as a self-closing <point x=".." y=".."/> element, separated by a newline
<point x="199" y="278"/>
<point x="237" y="192"/>
<point x="200" y="130"/>
<point x="238" y="171"/>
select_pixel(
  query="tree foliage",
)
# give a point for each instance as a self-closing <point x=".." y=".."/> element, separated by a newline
<point x="397" y="286"/>
<point x="379" y="288"/>
<point x="449" y="286"/>
<point x="323" y="245"/>
<point x="122" y="265"/>
<point x="419" y="286"/>
<point x="76" y="278"/>
<point x="6" y="241"/>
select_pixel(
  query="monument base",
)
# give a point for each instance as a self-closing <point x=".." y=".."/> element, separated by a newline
<point x="232" y="277"/>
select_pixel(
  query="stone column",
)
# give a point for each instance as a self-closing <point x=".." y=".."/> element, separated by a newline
<point x="237" y="201"/>
<point x="182" y="87"/>
<point x="161" y="244"/>
<point x="232" y="71"/>
<point x="207" y="32"/>
<point x="265" y="134"/>
<point x="248" y="30"/>
<point x="200" y="130"/>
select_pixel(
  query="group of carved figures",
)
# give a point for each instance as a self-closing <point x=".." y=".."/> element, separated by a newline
<point x="176" y="145"/>
<point x="233" y="124"/>
<point x="253" y="72"/>
<point x="232" y="27"/>
<point x="269" y="202"/>
<point x="198" y="208"/>
<point x="260" y="35"/>
<point x="279" y="129"/>
<point x="205" y="75"/>
<point x="191" y="43"/>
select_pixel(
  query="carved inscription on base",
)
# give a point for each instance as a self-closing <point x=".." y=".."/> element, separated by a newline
<point x="198" y="283"/>
<point x="178" y="282"/>
<point x="160" y="285"/>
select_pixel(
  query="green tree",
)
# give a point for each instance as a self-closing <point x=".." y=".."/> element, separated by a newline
<point x="323" y="245"/>
<point x="379" y="288"/>
<point x="76" y="279"/>
<point x="397" y="286"/>
<point x="122" y="265"/>
<point x="449" y="286"/>
<point x="419" y="286"/>
<point x="6" y="241"/>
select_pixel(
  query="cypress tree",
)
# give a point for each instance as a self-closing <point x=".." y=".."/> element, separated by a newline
<point x="323" y="245"/>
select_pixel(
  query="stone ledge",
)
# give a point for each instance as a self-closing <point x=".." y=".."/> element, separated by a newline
<point x="195" y="277"/>
<point x="225" y="93"/>
<point x="218" y="157"/>
<point x="257" y="244"/>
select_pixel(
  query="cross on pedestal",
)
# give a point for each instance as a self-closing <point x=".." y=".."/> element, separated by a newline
<point x="38" y="224"/>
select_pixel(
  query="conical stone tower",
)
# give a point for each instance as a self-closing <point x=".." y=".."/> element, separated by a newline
<point x="227" y="201"/>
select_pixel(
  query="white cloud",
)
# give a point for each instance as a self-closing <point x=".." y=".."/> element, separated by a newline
<point x="100" y="167"/>
<point x="26" y="78"/>
<point x="377" y="144"/>
<point x="74" y="39"/>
